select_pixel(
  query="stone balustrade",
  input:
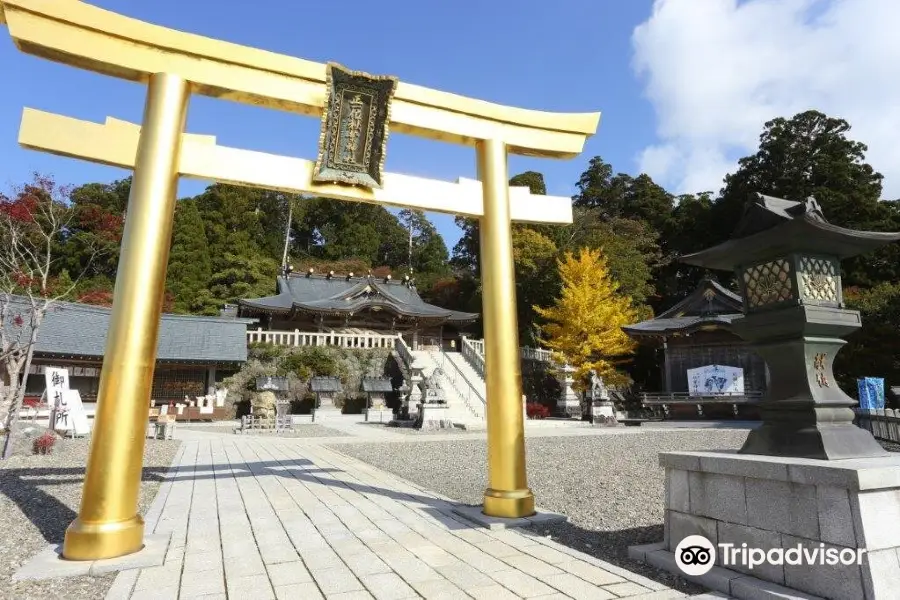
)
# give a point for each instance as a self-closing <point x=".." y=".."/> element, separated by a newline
<point x="307" y="338"/>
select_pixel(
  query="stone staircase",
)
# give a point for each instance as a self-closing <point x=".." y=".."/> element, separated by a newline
<point x="465" y="405"/>
<point x="468" y="372"/>
<point x="459" y="376"/>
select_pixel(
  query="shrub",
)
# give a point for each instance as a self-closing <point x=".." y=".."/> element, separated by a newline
<point x="264" y="351"/>
<point x="535" y="410"/>
<point x="354" y="405"/>
<point x="309" y="362"/>
<point x="304" y="405"/>
<point x="44" y="444"/>
<point x="301" y="364"/>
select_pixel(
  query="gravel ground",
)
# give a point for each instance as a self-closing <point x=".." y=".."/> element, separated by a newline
<point x="610" y="486"/>
<point x="39" y="497"/>
<point x="300" y="431"/>
<point x="413" y="431"/>
<point x="307" y="431"/>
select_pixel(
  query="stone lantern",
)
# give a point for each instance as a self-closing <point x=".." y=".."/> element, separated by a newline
<point x="568" y="403"/>
<point x="771" y="495"/>
<point x="787" y="260"/>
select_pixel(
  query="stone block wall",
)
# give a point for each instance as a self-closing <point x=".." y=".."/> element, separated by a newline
<point x="766" y="503"/>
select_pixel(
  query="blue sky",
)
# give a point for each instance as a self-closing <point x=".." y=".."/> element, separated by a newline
<point x="567" y="56"/>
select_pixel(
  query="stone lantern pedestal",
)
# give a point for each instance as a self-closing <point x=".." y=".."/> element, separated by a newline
<point x="807" y="479"/>
<point x="568" y="404"/>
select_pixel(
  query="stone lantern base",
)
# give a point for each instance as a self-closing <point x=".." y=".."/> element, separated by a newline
<point x="769" y="503"/>
<point x="604" y="413"/>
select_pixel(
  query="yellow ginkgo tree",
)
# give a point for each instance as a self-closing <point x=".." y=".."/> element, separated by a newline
<point x="584" y="324"/>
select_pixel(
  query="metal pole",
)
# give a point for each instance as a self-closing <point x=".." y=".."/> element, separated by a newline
<point x="287" y="235"/>
<point x="108" y="523"/>
<point x="508" y="494"/>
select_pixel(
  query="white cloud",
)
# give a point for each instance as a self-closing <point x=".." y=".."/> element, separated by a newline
<point x="716" y="70"/>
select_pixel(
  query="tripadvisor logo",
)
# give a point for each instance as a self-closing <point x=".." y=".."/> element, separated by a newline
<point x="695" y="555"/>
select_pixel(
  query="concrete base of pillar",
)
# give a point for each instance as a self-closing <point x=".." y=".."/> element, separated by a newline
<point x="845" y="510"/>
<point x="49" y="563"/>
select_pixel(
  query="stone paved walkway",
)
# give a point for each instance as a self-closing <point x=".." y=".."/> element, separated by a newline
<point x="259" y="518"/>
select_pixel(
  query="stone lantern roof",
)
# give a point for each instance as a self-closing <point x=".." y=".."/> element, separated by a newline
<point x="773" y="227"/>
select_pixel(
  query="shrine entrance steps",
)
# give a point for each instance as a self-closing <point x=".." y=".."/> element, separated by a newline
<point x="466" y="405"/>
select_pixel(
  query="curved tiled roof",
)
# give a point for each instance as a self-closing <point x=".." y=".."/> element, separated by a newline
<point x="79" y="330"/>
<point x="341" y="295"/>
<point x="709" y="305"/>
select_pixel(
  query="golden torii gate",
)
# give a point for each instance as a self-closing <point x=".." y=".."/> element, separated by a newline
<point x="175" y="65"/>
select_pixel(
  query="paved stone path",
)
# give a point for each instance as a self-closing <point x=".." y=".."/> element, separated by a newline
<point x="262" y="518"/>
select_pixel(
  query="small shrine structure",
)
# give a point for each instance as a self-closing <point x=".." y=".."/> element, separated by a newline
<point x="326" y="390"/>
<point x="694" y="334"/>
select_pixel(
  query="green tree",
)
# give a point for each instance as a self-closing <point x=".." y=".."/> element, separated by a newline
<point x="807" y="155"/>
<point x="93" y="237"/>
<point x="692" y="228"/>
<point x="872" y="351"/>
<point x="190" y="266"/>
<point x="629" y="246"/>
<point x="466" y="252"/>
<point x="537" y="281"/>
<point x="427" y="252"/>
<point x="337" y="230"/>
<point x="232" y="222"/>
<point x="240" y="276"/>
<point x="622" y="196"/>
<point x="533" y="180"/>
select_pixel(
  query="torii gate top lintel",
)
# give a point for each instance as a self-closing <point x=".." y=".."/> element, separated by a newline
<point x="88" y="37"/>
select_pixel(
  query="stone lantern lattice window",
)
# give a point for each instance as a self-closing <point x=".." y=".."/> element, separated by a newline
<point x="768" y="283"/>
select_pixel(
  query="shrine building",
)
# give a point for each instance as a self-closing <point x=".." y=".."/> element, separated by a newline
<point x="193" y="352"/>
<point x="694" y="334"/>
<point x="331" y="302"/>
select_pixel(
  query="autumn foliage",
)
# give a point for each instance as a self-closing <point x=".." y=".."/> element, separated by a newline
<point x="584" y="325"/>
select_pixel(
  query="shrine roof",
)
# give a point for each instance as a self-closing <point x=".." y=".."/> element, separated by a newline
<point x="710" y="305"/>
<point x="344" y="295"/>
<point x="377" y="384"/>
<point x="325" y="384"/>
<point x="79" y="330"/>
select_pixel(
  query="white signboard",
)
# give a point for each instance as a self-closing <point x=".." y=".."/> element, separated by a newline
<point x="70" y="414"/>
<point x="56" y="381"/>
<point x="715" y="380"/>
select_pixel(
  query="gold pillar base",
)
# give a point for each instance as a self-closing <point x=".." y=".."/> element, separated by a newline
<point x="513" y="504"/>
<point x="95" y="541"/>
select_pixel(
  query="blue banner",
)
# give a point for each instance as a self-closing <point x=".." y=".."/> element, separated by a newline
<point x="871" y="392"/>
